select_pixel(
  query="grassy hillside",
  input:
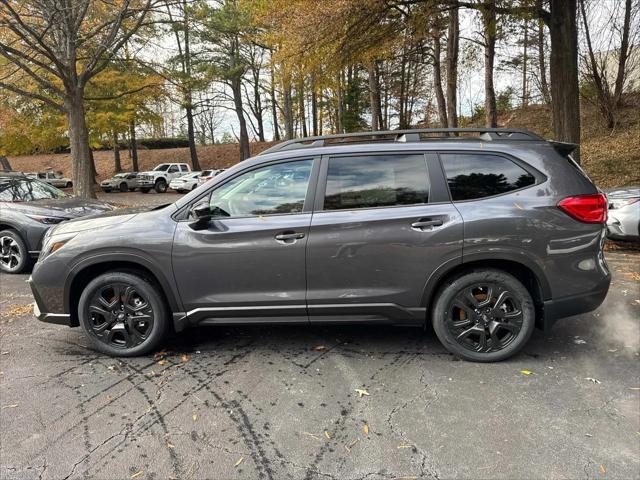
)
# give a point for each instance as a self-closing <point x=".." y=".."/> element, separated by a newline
<point x="611" y="158"/>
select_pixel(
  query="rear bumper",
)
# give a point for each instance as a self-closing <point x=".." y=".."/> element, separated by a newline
<point x="559" y="308"/>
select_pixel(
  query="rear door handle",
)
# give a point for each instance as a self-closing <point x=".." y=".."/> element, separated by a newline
<point x="289" y="237"/>
<point x="426" y="223"/>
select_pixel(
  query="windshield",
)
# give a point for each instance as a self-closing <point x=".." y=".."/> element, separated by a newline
<point x="161" y="168"/>
<point x="120" y="175"/>
<point x="27" y="190"/>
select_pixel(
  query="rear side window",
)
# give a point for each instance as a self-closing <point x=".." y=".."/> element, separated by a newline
<point x="369" y="181"/>
<point x="482" y="175"/>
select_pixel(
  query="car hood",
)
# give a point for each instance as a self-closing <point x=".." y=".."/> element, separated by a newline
<point x="95" y="222"/>
<point x="68" y="207"/>
<point x="150" y="172"/>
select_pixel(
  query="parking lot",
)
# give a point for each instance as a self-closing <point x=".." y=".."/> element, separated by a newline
<point x="350" y="402"/>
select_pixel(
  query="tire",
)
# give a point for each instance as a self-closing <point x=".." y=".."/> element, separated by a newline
<point x="69" y="185"/>
<point x="14" y="254"/>
<point x="109" y="318"/>
<point x="179" y="191"/>
<point x="123" y="187"/>
<point x="145" y="190"/>
<point x="484" y="304"/>
<point x="161" y="185"/>
<point x="106" y="190"/>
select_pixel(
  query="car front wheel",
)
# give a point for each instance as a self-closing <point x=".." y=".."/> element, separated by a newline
<point x="14" y="255"/>
<point x="123" y="314"/>
<point x="484" y="315"/>
<point x="161" y="186"/>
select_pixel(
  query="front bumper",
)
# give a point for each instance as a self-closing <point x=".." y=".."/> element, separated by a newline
<point x="56" y="318"/>
<point x="146" y="183"/>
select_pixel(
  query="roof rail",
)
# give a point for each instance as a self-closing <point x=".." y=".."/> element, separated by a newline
<point x="413" y="135"/>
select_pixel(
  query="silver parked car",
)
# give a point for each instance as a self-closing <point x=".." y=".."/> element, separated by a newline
<point x="124" y="182"/>
<point x="624" y="214"/>
<point x="52" y="178"/>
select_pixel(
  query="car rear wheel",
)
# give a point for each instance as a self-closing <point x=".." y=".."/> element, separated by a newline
<point x="69" y="185"/>
<point x="124" y="187"/>
<point x="106" y="190"/>
<point x="123" y="314"/>
<point x="161" y="186"/>
<point x="484" y="315"/>
<point x="14" y="255"/>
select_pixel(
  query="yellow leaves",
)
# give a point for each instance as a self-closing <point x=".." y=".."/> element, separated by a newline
<point x="185" y="358"/>
<point x="362" y="392"/>
<point x="526" y="372"/>
<point x="602" y="470"/>
<point x="351" y="445"/>
<point x="136" y="475"/>
<point x="13" y="405"/>
<point x="327" y="435"/>
<point x="237" y="464"/>
<point x="365" y="429"/>
<point x="194" y="417"/>
<point x="18" y="310"/>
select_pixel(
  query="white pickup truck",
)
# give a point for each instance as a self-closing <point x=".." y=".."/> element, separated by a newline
<point x="159" y="177"/>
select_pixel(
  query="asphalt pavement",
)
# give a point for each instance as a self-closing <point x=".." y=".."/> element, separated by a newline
<point x="339" y="402"/>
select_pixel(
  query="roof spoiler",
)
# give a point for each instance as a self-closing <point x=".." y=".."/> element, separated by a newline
<point x="563" y="148"/>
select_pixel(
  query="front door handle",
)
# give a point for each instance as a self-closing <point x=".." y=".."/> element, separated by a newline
<point x="426" y="224"/>
<point x="289" y="237"/>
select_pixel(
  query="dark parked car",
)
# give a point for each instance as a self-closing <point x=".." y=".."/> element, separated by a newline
<point x="484" y="236"/>
<point x="28" y="208"/>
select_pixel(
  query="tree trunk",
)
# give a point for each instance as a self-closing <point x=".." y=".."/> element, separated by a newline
<point x="79" y="140"/>
<point x="236" y="89"/>
<point x="133" y="146"/>
<point x="564" y="72"/>
<point x="117" y="164"/>
<point x="453" y="40"/>
<point x="274" y="107"/>
<point x="301" y="109"/>
<point x="340" y="106"/>
<point x="624" y="54"/>
<point x="314" y="107"/>
<point x="257" y="105"/>
<point x="288" y="110"/>
<point x="490" y="32"/>
<point x="374" y="96"/>
<point x="191" y="135"/>
<point x="542" y="62"/>
<point x="437" y="83"/>
<point x="525" y="60"/>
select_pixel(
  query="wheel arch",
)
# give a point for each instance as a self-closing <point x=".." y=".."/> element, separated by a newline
<point x="4" y="225"/>
<point x="531" y="276"/>
<point x="82" y="274"/>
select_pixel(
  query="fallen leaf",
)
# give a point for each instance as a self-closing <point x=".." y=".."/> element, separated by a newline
<point x="579" y="341"/>
<point x="240" y="460"/>
<point x="634" y="276"/>
<point x="10" y="406"/>
<point x="405" y="445"/>
<point x="313" y="435"/>
<point x="602" y="470"/>
<point x="111" y="367"/>
<point x="634" y="388"/>
<point x="185" y="358"/>
<point x="361" y="392"/>
<point x="195" y="417"/>
<point x="17" y="310"/>
<point x="162" y="362"/>
<point x="365" y="429"/>
<point x="136" y="475"/>
<point x="319" y="348"/>
<point x="170" y="445"/>
<point x="588" y="435"/>
<point x="350" y="446"/>
<point x="527" y="372"/>
<point x="594" y="380"/>
<point x="327" y="434"/>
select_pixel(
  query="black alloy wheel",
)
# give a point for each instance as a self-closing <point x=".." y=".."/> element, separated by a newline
<point x="484" y="315"/>
<point x="123" y="314"/>
<point x="14" y="255"/>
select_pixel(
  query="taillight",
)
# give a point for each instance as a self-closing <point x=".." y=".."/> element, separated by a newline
<point x="586" y="208"/>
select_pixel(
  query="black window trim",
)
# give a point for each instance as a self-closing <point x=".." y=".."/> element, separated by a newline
<point x="538" y="176"/>
<point x="321" y="188"/>
<point x="307" y="208"/>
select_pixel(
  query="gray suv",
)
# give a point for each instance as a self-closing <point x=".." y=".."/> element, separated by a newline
<point x="486" y="233"/>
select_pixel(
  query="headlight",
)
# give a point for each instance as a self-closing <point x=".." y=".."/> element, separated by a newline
<point x="47" y="220"/>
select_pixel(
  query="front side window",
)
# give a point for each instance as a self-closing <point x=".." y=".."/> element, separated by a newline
<point x="27" y="190"/>
<point x="376" y="181"/>
<point x="162" y="167"/>
<point x="274" y="189"/>
<point x="482" y="175"/>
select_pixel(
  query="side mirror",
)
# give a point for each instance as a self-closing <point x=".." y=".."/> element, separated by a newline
<point x="201" y="213"/>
